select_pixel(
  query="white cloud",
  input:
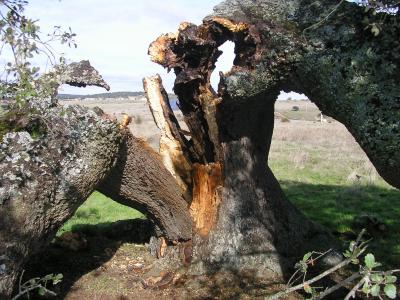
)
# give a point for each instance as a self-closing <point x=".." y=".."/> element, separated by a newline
<point x="291" y="96"/>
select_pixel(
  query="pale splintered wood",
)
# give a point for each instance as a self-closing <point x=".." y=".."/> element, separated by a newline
<point x="171" y="140"/>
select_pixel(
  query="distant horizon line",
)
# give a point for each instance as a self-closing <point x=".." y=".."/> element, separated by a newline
<point x="169" y="93"/>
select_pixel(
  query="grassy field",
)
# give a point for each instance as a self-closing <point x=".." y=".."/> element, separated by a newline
<point x="325" y="173"/>
<point x="322" y="170"/>
<point x="98" y="209"/>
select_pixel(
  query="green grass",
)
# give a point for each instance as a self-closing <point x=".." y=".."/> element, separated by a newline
<point x="300" y="115"/>
<point x="320" y="188"/>
<point x="98" y="209"/>
<point x="314" y="174"/>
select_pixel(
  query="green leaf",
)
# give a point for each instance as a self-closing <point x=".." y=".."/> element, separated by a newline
<point x="369" y="261"/>
<point x="390" y="279"/>
<point x="48" y="277"/>
<point x="347" y="254"/>
<point x="57" y="279"/>
<point x="308" y="289"/>
<point x="365" y="289"/>
<point x="390" y="291"/>
<point x="375" y="290"/>
<point x="42" y="291"/>
<point x="352" y="246"/>
<point x="307" y="256"/>
<point x="376" y="278"/>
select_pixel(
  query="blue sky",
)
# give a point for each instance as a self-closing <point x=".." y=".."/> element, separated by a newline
<point x="115" y="35"/>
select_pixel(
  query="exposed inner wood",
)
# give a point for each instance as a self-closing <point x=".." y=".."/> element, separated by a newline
<point x="162" y="247"/>
<point x="204" y="208"/>
<point x="231" y="26"/>
<point x="126" y="120"/>
<point x="173" y="144"/>
<point x="159" y="50"/>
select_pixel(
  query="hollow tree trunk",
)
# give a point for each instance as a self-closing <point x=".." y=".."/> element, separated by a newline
<point x="241" y="218"/>
<point x="75" y="150"/>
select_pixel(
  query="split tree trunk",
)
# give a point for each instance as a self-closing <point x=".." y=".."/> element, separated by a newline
<point x="241" y="218"/>
<point x="173" y="145"/>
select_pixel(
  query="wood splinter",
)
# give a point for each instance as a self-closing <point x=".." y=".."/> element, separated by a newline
<point x="173" y="144"/>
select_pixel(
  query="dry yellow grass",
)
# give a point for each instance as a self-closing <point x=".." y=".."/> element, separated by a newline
<point x="322" y="146"/>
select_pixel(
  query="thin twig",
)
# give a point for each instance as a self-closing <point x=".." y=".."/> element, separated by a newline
<point x="353" y="291"/>
<point x="290" y="279"/>
<point x="324" y="19"/>
<point x="309" y="282"/>
<point x="347" y="261"/>
<point x="338" y="286"/>
<point x="322" y="254"/>
<point x="20" y="280"/>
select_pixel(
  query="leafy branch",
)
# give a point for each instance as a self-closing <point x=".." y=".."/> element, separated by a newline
<point x="371" y="281"/>
<point x="39" y="284"/>
<point x="20" y="38"/>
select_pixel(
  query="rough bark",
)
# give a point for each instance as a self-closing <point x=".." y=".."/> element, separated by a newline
<point x="140" y="180"/>
<point x="337" y="62"/>
<point x="54" y="157"/>
<point x="279" y="45"/>
<point x="45" y="180"/>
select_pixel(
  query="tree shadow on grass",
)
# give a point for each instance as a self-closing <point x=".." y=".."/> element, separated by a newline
<point x="103" y="241"/>
<point x="339" y="207"/>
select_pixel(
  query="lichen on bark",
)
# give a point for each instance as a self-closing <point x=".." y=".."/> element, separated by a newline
<point x="45" y="178"/>
<point x="337" y="62"/>
<point x="318" y="48"/>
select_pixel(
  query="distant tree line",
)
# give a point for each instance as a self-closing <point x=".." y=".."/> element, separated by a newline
<point x="106" y="95"/>
<point x="101" y="95"/>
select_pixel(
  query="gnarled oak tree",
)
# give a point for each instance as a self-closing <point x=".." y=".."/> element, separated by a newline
<point x="242" y="221"/>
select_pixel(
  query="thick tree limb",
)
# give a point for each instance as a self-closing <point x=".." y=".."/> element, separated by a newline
<point x="55" y="160"/>
<point x="140" y="180"/>
<point x="44" y="180"/>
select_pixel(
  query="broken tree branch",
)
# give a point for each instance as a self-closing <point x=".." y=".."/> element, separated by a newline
<point x="174" y="147"/>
